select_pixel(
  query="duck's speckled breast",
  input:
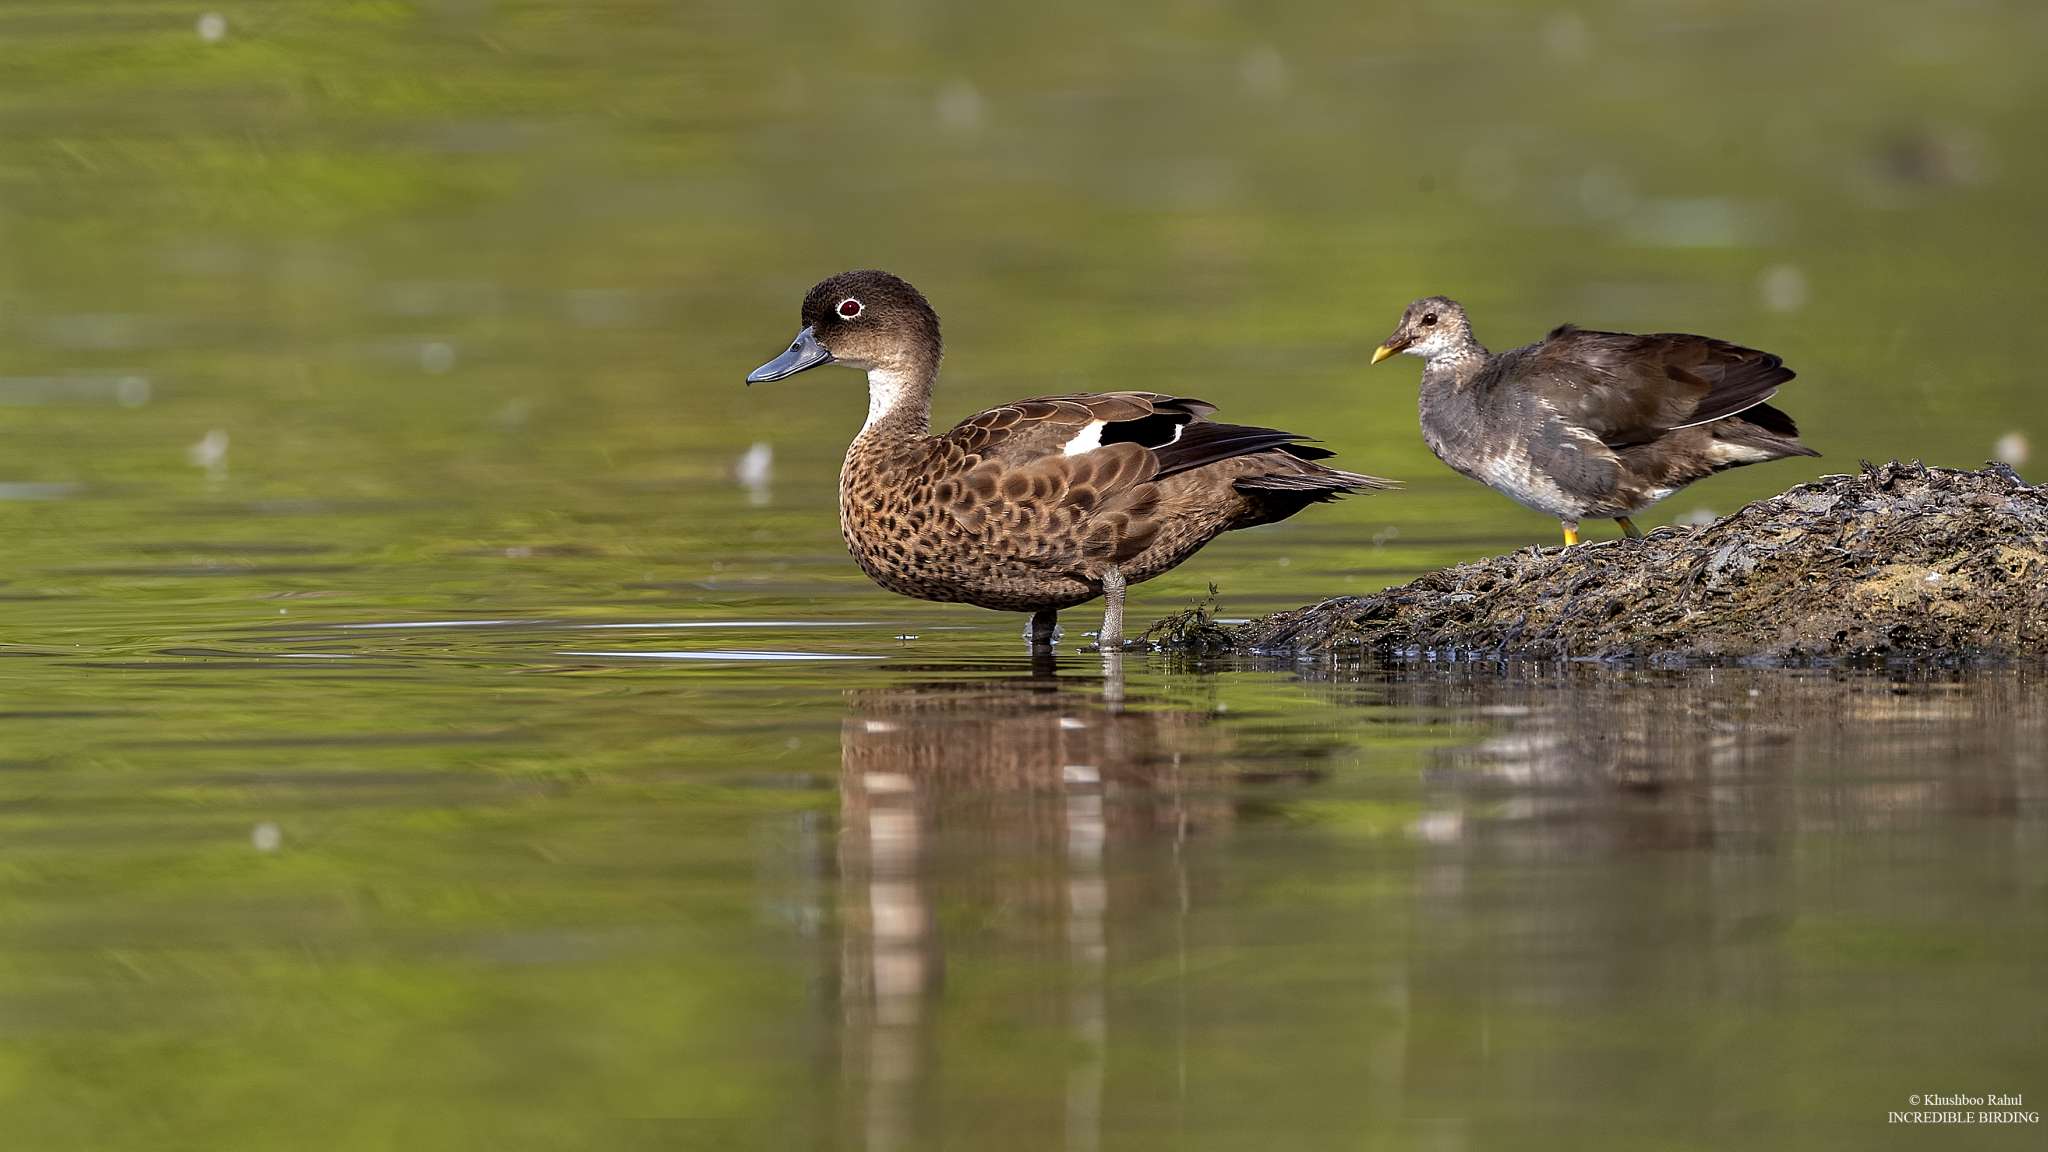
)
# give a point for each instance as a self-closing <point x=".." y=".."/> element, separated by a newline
<point x="908" y="541"/>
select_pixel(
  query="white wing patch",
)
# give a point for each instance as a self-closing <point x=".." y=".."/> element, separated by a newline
<point x="1087" y="440"/>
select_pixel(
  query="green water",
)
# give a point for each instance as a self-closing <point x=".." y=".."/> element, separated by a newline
<point x="413" y="733"/>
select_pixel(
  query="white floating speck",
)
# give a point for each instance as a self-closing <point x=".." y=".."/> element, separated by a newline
<point x="1081" y="775"/>
<point x="212" y="27"/>
<point x="756" y="464"/>
<point x="1438" y="827"/>
<point x="2011" y="448"/>
<point x="210" y="452"/>
<point x="1568" y="37"/>
<point x="960" y="108"/>
<point x="437" y="356"/>
<point x="514" y="413"/>
<point x="1782" y="288"/>
<point x="755" y="470"/>
<point x="1263" y="72"/>
<point x="266" y="837"/>
<point x="1071" y="723"/>
<point x="880" y="725"/>
<point x="887" y="783"/>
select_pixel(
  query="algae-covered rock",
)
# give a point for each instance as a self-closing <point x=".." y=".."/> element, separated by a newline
<point x="1897" y="561"/>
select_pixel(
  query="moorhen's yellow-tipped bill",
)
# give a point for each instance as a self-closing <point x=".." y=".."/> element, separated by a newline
<point x="804" y="352"/>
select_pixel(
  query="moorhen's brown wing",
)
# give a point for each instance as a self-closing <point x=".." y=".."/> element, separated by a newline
<point x="1630" y="389"/>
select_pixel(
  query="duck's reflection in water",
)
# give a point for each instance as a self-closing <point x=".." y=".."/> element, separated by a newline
<point x="1001" y="801"/>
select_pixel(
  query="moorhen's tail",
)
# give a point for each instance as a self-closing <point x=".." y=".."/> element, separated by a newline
<point x="1760" y="432"/>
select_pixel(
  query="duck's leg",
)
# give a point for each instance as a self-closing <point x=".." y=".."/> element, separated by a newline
<point x="1112" y="634"/>
<point x="1628" y="528"/>
<point x="1044" y="628"/>
<point x="1571" y="532"/>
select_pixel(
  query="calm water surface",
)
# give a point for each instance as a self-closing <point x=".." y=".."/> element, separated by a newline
<point x="436" y="710"/>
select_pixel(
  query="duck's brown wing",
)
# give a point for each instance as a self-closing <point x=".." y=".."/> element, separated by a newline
<point x="1027" y="430"/>
<point x="1628" y="389"/>
<point x="1071" y="481"/>
<point x="1060" y="483"/>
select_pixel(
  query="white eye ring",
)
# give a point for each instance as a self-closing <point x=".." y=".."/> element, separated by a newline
<point x="850" y="309"/>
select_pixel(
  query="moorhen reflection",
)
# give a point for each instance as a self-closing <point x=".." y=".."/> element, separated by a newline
<point x="1608" y="841"/>
<point x="1590" y="756"/>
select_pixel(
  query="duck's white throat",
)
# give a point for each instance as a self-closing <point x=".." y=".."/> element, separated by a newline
<point x="886" y="389"/>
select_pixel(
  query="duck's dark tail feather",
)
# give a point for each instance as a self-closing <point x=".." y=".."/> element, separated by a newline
<point x="1204" y="442"/>
<point x="1318" y="484"/>
<point x="1295" y="469"/>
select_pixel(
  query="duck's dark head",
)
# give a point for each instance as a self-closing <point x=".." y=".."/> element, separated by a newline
<point x="866" y="319"/>
<point x="1433" y="326"/>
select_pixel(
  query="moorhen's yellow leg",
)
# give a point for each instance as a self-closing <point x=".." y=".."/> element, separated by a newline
<point x="1628" y="528"/>
<point x="1571" y="532"/>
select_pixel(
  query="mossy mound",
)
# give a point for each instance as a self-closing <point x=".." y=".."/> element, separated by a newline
<point x="1899" y="561"/>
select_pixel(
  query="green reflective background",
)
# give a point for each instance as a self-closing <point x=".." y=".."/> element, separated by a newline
<point x="415" y="725"/>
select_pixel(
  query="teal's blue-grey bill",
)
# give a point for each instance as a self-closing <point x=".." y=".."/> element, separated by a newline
<point x="804" y="352"/>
